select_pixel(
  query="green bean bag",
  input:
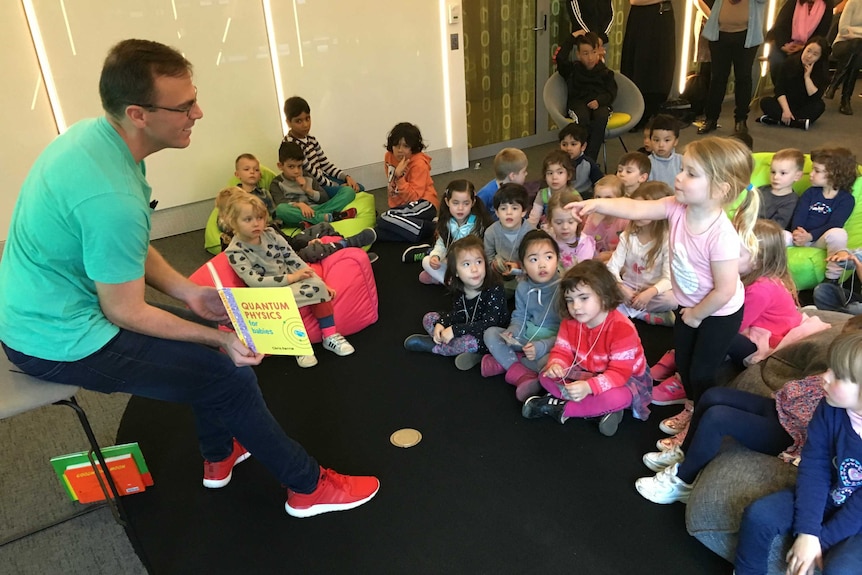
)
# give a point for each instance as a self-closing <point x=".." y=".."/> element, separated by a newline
<point x="366" y="215"/>
<point x="808" y="265"/>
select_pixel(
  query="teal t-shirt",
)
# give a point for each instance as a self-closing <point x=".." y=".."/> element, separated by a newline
<point x="82" y="217"/>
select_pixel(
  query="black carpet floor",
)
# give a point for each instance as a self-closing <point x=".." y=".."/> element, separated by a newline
<point x="486" y="491"/>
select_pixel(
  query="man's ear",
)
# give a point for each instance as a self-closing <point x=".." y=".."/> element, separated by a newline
<point x="137" y="115"/>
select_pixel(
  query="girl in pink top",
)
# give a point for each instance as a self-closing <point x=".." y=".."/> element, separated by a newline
<point x="575" y="246"/>
<point x="606" y="230"/>
<point x="704" y="249"/>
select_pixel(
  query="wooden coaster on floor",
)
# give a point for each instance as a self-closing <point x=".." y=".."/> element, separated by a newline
<point x="405" y="437"/>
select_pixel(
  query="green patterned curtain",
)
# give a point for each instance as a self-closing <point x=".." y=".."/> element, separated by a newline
<point x="500" y="69"/>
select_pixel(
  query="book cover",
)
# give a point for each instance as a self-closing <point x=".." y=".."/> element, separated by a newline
<point x="81" y="478"/>
<point x="62" y="462"/>
<point x="266" y="319"/>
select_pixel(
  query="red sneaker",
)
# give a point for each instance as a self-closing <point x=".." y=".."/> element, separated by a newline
<point x="669" y="392"/>
<point x="665" y="367"/>
<point x="334" y="492"/>
<point x="218" y="474"/>
<point x="490" y="366"/>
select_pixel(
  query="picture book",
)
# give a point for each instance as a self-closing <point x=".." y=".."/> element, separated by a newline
<point x="266" y="319"/>
<point x="125" y="462"/>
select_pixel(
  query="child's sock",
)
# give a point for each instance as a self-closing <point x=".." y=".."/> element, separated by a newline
<point x="328" y="331"/>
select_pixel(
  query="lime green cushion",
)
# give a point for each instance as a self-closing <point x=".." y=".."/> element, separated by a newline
<point x="808" y="265"/>
<point x="618" y="120"/>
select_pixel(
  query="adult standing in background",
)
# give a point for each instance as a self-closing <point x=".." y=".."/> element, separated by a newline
<point x="847" y="51"/>
<point x="89" y="324"/>
<point x="596" y="16"/>
<point x="796" y="23"/>
<point x="734" y="29"/>
<point x="649" y="52"/>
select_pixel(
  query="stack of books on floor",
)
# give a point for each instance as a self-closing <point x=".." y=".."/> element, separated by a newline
<point x="125" y="462"/>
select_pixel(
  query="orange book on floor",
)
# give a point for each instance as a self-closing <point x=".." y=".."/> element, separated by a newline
<point x="81" y="478"/>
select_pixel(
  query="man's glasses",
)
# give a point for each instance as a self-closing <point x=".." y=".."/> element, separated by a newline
<point x="187" y="110"/>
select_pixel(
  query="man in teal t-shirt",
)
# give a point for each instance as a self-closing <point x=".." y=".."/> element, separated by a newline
<point x="77" y="261"/>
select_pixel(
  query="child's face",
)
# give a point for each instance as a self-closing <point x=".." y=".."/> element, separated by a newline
<point x="401" y="150"/>
<point x="300" y="125"/>
<point x="691" y="186"/>
<point x="663" y="142"/>
<point x="606" y="192"/>
<point x="510" y="216"/>
<point x="819" y="176"/>
<point x="841" y="393"/>
<point x="783" y="174"/>
<point x="572" y="147"/>
<point x="564" y="225"/>
<point x="460" y="204"/>
<point x="647" y="140"/>
<point x="518" y="177"/>
<point x="585" y="306"/>
<point x="290" y="169"/>
<point x="540" y="261"/>
<point x="248" y="172"/>
<point x="248" y="225"/>
<point x="557" y="177"/>
<point x="588" y="56"/>
<point x="631" y="176"/>
<point x="470" y="268"/>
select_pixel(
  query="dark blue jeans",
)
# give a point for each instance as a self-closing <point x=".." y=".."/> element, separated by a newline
<point x="225" y="399"/>
<point x="772" y="516"/>
<point x="832" y="297"/>
<point x="722" y="412"/>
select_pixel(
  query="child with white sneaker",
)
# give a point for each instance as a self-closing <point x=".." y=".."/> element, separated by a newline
<point x="521" y="349"/>
<point x="824" y="513"/>
<point x="705" y="250"/>
<point x="479" y="303"/>
<point x="606" y="230"/>
<point x="461" y="214"/>
<point x="263" y="258"/>
<point x="597" y="367"/>
<point x="575" y="246"/>
<point x="775" y="426"/>
<point x="641" y="265"/>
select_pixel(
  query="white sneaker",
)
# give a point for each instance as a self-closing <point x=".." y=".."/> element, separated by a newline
<point x="664" y="487"/>
<point x="306" y="360"/>
<point x="338" y="345"/>
<point x="658" y="460"/>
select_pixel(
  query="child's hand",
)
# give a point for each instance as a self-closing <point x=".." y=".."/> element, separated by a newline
<point x="434" y="262"/>
<point x="805" y="553"/>
<point x="628" y="293"/>
<point x="529" y="351"/>
<point x="437" y="336"/>
<point x="843" y="256"/>
<point x="641" y="300"/>
<point x="306" y="210"/>
<point x="301" y="182"/>
<point x="801" y="237"/>
<point x="447" y="335"/>
<point x="499" y="265"/>
<point x="352" y="183"/>
<point x="315" y="241"/>
<point x="690" y="318"/>
<point x="300" y="275"/>
<point x="555" y="371"/>
<point x="593" y="104"/>
<point x="577" y="390"/>
<point x="511" y="266"/>
<point x="401" y="168"/>
<point x="331" y="291"/>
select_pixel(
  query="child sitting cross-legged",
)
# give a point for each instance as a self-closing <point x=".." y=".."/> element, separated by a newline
<point x="503" y="237"/>
<point x="299" y="200"/>
<point x="478" y="303"/>
<point x="263" y="258"/>
<point x="520" y="350"/>
<point x="597" y="367"/>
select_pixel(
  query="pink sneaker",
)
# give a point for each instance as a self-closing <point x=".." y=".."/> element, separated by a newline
<point x="526" y="381"/>
<point x="334" y="492"/>
<point x="669" y="392"/>
<point x="217" y="474"/>
<point x="490" y="366"/>
<point x="665" y="367"/>
<point x="672" y="442"/>
<point x="679" y="422"/>
<point x="425" y="278"/>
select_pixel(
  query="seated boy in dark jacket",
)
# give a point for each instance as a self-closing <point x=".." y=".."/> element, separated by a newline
<point x="592" y="87"/>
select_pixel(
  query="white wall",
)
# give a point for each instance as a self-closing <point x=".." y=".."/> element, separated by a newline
<point x="362" y="67"/>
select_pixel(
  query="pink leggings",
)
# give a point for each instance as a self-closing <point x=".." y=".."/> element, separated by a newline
<point x="613" y="399"/>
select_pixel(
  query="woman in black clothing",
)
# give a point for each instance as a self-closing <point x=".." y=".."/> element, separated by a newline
<point x="798" y="100"/>
<point x="796" y="23"/>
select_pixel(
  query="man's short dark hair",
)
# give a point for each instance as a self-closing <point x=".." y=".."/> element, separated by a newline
<point x="294" y="106"/>
<point x="290" y="151"/>
<point x="130" y="71"/>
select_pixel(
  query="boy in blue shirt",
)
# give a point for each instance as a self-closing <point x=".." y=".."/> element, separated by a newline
<point x="510" y="165"/>
<point x="573" y="141"/>
<point x="666" y="162"/>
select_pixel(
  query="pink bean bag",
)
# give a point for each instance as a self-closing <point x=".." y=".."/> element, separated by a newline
<point x="347" y="271"/>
